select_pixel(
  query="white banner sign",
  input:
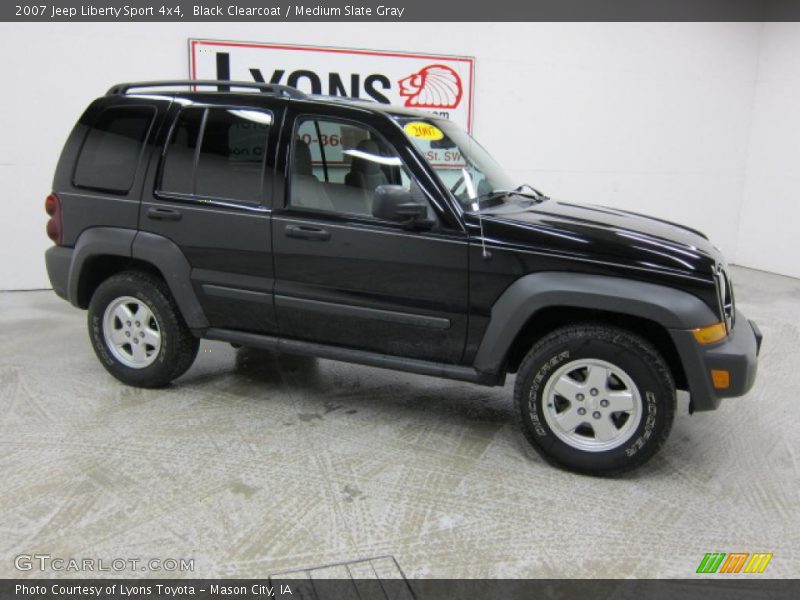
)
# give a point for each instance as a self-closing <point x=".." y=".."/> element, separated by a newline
<point x="441" y="85"/>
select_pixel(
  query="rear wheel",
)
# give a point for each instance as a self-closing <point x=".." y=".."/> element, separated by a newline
<point x="138" y="332"/>
<point x="595" y="399"/>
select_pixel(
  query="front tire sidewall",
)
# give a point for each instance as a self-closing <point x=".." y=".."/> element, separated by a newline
<point x="657" y="400"/>
<point x="152" y="375"/>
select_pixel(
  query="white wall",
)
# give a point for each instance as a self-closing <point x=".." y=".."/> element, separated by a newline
<point x="769" y="233"/>
<point x="653" y="117"/>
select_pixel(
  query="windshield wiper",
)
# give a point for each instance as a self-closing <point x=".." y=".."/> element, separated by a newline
<point x="517" y="191"/>
<point x="539" y="195"/>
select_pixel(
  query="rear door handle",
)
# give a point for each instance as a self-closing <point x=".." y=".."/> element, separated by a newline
<point x="163" y="214"/>
<point x="307" y="233"/>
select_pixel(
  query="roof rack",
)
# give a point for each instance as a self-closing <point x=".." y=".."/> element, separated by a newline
<point x="120" y="89"/>
<point x="341" y="98"/>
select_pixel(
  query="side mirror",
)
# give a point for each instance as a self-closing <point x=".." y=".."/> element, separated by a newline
<point x="394" y="203"/>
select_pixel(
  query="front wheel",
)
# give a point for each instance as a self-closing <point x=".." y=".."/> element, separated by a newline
<point x="138" y="332"/>
<point x="595" y="399"/>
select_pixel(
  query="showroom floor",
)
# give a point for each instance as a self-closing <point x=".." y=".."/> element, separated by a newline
<point x="254" y="464"/>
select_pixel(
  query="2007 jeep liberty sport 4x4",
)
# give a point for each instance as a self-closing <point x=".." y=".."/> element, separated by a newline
<point x="350" y="230"/>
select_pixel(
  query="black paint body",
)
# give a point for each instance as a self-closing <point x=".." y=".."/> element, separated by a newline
<point x="374" y="287"/>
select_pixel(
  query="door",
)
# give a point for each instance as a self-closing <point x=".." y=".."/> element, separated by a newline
<point x="347" y="278"/>
<point x="211" y="197"/>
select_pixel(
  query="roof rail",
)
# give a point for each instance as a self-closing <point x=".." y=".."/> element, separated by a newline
<point x="120" y="89"/>
<point x="334" y="97"/>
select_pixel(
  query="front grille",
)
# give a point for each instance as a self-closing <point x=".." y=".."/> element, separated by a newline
<point x="727" y="307"/>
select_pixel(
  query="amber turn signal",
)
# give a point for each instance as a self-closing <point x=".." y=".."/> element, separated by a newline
<point x="721" y="379"/>
<point x="709" y="335"/>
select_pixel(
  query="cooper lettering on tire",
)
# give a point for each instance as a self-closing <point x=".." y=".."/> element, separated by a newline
<point x="595" y="398"/>
<point x="138" y="332"/>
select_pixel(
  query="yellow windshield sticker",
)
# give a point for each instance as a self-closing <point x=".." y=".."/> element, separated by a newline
<point x="423" y="131"/>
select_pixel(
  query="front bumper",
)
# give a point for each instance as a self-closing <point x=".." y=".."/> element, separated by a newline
<point x="737" y="354"/>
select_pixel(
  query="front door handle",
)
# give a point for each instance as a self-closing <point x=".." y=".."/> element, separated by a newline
<point x="307" y="233"/>
<point x="163" y="214"/>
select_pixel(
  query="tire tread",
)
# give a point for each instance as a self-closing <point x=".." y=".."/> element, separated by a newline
<point x="186" y="345"/>
<point x="610" y="333"/>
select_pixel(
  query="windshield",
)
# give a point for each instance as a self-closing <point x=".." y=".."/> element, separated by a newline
<point x="460" y="162"/>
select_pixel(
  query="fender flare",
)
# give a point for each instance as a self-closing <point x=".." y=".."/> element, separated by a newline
<point x="97" y="241"/>
<point x="168" y="258"/>
<point x="669" y="307"/>
<point x="151" y="248"/>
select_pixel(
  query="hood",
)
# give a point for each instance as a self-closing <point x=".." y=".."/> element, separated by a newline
<point x="601" y="233"/>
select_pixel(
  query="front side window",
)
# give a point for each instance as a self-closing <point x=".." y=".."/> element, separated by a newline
<point x="461" y="163"/>
<point x="110" y="154"/>
<point x="337" y="166"/>
<point x="217" y="153"/>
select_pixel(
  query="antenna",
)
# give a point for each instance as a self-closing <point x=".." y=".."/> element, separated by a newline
<point x="484" y="252"/>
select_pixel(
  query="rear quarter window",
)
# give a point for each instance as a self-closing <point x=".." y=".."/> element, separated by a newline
<point x="110" y="153"/>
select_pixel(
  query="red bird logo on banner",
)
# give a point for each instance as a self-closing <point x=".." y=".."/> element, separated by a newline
<point x="434" y="86"/>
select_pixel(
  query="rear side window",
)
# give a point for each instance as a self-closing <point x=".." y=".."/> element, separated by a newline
<point x="110" y="154"/>
<point x="217" y="153"/>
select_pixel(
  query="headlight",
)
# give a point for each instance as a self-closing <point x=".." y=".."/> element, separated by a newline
<point x="727" y="309"/>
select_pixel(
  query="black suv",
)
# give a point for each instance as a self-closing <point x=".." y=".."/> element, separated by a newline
<point x="350" y="230"/>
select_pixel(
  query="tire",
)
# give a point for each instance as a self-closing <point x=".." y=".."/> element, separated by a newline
<point x="137" y="330"/>
<point x="569" y="385"/>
